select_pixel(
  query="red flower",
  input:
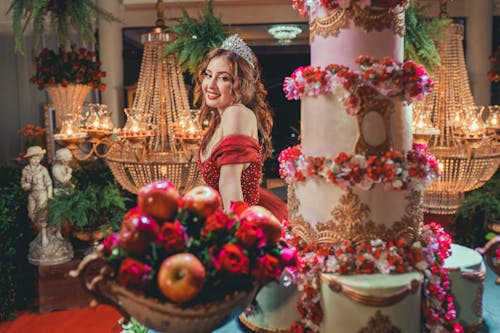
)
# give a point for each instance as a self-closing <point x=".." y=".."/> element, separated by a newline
<point x="218" y="221"/>
<point x="133" y="274"/>
<point x="231" y="259"/>
<point x="267" y="269"/>
<point x="173" y="237"/>
<point x="106" y="247"/>
<point x="249" y="234"/>
<point x="67" y="67"/>
<point x="236" y="207"/>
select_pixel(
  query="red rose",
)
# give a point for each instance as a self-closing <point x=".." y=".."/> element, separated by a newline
<point x="218" y="221"/>
<point x="250" y="234"/>
<point x="133" y="274"/>
<point x="106" y="247"/>
<point x="231" y="259"/>
<point x="173" y="237"/>
<point x="267" y="269"/>
<point x="236" y="207"/>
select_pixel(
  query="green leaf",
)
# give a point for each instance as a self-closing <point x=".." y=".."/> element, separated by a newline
<point x="195" y="38"/>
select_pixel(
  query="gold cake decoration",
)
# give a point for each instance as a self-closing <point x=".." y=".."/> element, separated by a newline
<point x="258" y="329"/>
<point x="383" y="107"/>
<point x="370" y="299"/>
<point x="368" y="18"/>
<point x="350" y="221"/>
<point x="379" y="323"/>
<point x="329" y="25"/>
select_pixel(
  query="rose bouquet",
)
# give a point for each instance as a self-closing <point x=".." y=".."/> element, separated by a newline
<point x="186" y="252"/>
<point x="68" y="67"/>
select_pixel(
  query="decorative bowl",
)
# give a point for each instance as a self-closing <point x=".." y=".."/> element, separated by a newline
<point x="152" y="313"/>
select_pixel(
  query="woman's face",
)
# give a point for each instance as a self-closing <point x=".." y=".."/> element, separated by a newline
<point x="217" y="84"/>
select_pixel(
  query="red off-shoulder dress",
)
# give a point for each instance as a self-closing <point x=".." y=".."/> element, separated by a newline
<point x="240" y="149"/>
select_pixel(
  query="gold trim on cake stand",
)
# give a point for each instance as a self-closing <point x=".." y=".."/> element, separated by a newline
<point x="372" y="300"/>
<point x="258" y="329"/>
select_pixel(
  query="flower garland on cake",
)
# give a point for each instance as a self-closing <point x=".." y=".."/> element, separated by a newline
<point x="385" y="77"/>
<point x="305" y="7"/>
<point x="394" y="169"/>
<point x="426" y="254"/>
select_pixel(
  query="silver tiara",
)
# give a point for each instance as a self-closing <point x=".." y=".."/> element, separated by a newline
<point x="235" y="44"/>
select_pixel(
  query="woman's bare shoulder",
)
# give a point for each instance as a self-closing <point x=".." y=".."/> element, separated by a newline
<point x="238" y="119"/>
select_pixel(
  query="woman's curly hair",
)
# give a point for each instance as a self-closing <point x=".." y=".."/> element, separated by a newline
<point x="247" y="89"/>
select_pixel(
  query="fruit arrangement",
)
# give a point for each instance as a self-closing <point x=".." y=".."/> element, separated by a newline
<point x="185" y="250"/>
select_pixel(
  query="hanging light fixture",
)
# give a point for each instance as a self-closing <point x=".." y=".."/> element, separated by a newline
<point x="284" y="33"/>
<point x="455" y="129"/>
<point x="151" y="147"/>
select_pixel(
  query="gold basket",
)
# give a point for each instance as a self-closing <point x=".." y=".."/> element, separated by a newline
<point x="159" y="316"/>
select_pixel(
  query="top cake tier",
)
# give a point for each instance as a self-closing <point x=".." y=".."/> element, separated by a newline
<point x="378" y="30"/>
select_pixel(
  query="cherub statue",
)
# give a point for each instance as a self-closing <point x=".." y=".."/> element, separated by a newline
<point x="48" y="247"/>
<point x="61" y="171"/>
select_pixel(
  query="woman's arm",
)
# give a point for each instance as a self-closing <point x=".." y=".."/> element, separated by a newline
<point x="235" y="119"/>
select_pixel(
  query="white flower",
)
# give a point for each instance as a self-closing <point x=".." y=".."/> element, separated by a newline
<point x="366" y="183"/>
<point x="397" y="183"/>
<point x="359" y="160"/>
<point x="331" y="264"/>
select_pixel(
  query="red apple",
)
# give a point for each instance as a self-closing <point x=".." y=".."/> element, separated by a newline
<point x="181" y="277"/>
<point x="202" y="199"/>
<point x="266" y="220"/>
<point x="159" y="200"/>
<point x="137" y="232"/>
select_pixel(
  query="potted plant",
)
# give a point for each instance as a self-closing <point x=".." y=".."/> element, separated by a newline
<point x="478" y="212"/>
<point x="90" y="212"/>
<point x="62" y="15"/>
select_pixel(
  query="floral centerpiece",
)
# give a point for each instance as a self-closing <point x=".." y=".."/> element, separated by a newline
<point x="407" y="81"/>
<point x="394" y="169"/>
<point x="68" y="67"/>
<point x="494" y="72"/>
<point x="186" y="254"/>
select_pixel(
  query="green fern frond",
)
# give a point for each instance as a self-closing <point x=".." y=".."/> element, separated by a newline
<point x="195" y="38"/>
<point x="63" y="16"/>
<point x="422" y="34"/>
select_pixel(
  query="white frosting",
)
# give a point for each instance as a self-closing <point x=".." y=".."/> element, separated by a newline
<point x="345" y="315"/>
<point x="326" y="129"/>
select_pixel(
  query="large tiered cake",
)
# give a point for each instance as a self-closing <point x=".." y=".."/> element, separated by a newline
<point x="355" y="182"/>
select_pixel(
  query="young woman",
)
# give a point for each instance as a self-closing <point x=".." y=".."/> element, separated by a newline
<point x="238" y="137"/>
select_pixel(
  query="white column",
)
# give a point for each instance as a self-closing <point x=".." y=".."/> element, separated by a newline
<point x="111" y="46"/>
<point x="479" y="25"/>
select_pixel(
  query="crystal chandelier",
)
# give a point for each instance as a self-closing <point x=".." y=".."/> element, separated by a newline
<point x="455" y="130"/>
<point x="152" y="148"/>
<point x="284" y="33"/>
